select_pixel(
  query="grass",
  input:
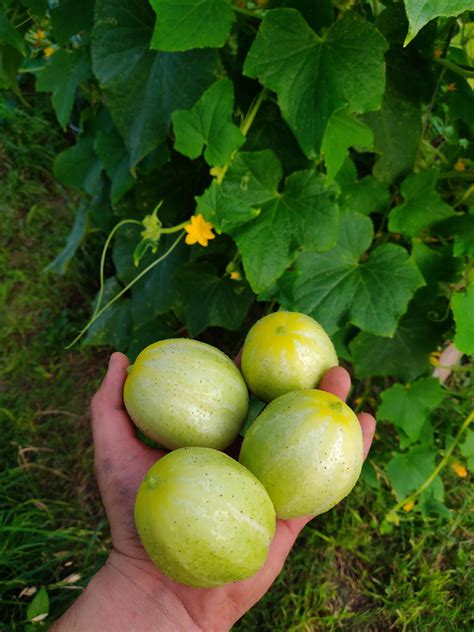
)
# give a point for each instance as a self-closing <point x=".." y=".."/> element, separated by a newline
<point x="343" y="574"/>
<point x="51" y="519"/>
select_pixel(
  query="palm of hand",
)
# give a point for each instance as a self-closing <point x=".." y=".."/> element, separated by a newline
<point x="122" y="460"/>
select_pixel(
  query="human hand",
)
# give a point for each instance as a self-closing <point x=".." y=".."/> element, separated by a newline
<point x="140" y="595"/>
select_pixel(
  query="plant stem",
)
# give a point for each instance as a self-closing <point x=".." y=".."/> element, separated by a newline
<point x="174" y="229"/>
<point x="102" y="260"/>
<point x="456" y="174"/>
<point x="432" y="103"/>
<point x="125" y="289"/>
<point x="437" y="469"/>
<point x="463" y="71"/>
<point x="385" y="215"/>
<point x="426" y="121"/>
<point x="436" y="151"/>
<point x="252" y="113"/>
<point x="465" y="196"/>
<point x="25" y="21"/>
<point x="244" y="128"/>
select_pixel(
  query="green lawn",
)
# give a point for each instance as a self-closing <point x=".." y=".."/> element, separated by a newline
<point x="343" y="574"/>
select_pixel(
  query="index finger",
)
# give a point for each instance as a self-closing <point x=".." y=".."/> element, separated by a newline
<point x="338" y="382"/>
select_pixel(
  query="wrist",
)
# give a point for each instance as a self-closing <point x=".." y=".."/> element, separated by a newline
<point x="125" y="596"/>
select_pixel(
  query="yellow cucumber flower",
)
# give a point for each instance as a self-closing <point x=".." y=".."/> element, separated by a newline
<point x="460" y="165"/>
<point x="48" y="51"/>
<point x="459" y="469"/>
<point x="199" y="231"/>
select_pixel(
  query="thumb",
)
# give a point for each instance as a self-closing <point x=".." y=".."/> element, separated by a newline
<point x="110" y="422"/>
<point x="111" y="389"/>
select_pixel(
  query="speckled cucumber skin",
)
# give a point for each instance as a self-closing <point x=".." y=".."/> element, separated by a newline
<point x="283" y="352"/>
<point x="203" y="518"/>
<point x="182" y="392"/>
<point x="306" y="448"/>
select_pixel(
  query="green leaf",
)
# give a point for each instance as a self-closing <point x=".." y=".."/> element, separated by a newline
<point x="335" y="287"/>
<point x="255" y="408"/>
<point x="344" y="130"/>
<point x="318" y="15"/>
<point x="364" y="196"/>
<point x="147" y="333"/>
<point x="431" y="500"/>
<point x="225" y="212"/>
<point x="120" y="27"/>
<point x="461" y="102"/>
<point x="304" y="215"/>
<point x="38" y="7"/>
<point x="10" y="62"/>
<point x="463" y="311"/>
<point x="410" y="70"/>
<point x="62" y="75"/>
<point x="156" y="293"/>
<point x="100" y="210"/>
<point x="426" y="436"/>
<point x="69" y="17"/>
<point x="423" y="206"/>
<point x="397" y="126"/>
<point x="420" y="12"/>
<point x="397" y="131"/>
<point x="209" y="123"/>
<point x="467" y="449"/>
<point x="429" y="505"/>
<point x="316" y="76"/>
<point x="408" y="471"/>
<point x="270" y="131"/>
<point x="461" y="228"/>
<point x="143" y="114"/>
<point x="79" y="167"/>
<point x="437" y="265"/>
<point x="408" y="407"/>
<point x="143" y="88"/>
<point x="38" y="608"/>
<point x="341" y="339"/>
<point x="74" y="240"/>
<point x="113" y="328"/>
<point x="126" y="240"/>
<point x="9" y="35"/>
<point x="210" y="300"/>
<point x="404" y="356"/>
<point x="369" y="475"/>
<point x="410" y="80"/>
<point x="191" y="24"/>
<point x="269" y="224"/>
<point x="251" y="180"/>
<point x="111" y="150"/>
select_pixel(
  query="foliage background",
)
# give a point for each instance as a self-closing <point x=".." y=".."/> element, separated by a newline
<point x="354" y="207"/>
